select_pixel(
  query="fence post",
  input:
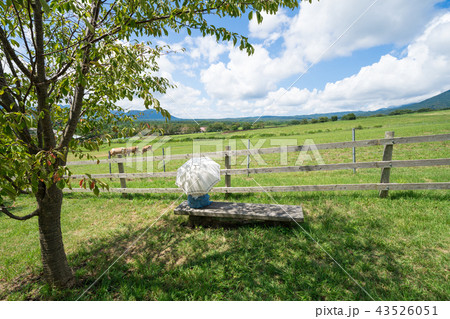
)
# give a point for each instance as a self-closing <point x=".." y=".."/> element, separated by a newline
<point x="109" y="157"/>
<point x="123" y="181"/>
<point x="164" y="161"/>
<point x="227" y="166"/>
<point x="248" y="159"/>
<point x="387" y="156"/>
<point x="354" y="148"/>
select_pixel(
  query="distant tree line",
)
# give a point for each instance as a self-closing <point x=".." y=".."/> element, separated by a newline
<point x="322" y="119"/>
<point x="406" y="111"/>
<point x="202" y="126"/>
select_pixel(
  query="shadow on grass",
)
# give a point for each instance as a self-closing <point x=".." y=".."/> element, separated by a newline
<point x="174" y="262"/>
<point x="251" y="262"/>
<point x="302" y="196"/>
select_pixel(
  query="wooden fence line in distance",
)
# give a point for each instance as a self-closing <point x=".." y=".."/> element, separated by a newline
<point x="287" y="169"/>
<point x="273" y="150"/>
<point x="295" y="188"/>
<point x="384" y="186"/>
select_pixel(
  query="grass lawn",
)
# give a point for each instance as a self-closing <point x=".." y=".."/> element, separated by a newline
<point x="395" y="248"/>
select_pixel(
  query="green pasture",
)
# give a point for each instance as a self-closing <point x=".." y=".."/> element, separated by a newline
<point x="396" y="248"/>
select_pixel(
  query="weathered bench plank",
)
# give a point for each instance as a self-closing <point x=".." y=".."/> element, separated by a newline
<point x="248" y="211"/>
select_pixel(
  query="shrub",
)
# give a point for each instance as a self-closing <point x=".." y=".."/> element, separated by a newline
<point x="424" y="109"/>
<point x="266" y="135"/>
<point x="349" y="116"/>
<point x="400" y="112"/>
<point x="215" y="127"/>
<point x="246" y="126"/>
<point x="235" y="126"/>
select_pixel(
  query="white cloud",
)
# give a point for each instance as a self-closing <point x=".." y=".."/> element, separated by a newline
<point x="184" y="101"/>
<point x="244" y="77"/>
<point x="306" y="38"/>
<point x="320" y="24"/>
<point x="271" y="28"/>
<point x="205" y="47"/>
<point x="238" y="85"/>
<point x="423" y="72"/>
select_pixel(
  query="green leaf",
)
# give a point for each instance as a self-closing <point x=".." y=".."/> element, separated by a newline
<point x="89" y="25"/>
<point x="96" y="191"/>
<point x="61" y="184"/>
<point x="259" y="17"/>
<point x="10" y="191"/>
<point x="45" y="6"/>
<point x="15" y="43"/>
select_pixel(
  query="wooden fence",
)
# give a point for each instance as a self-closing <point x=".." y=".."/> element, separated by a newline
<point x="386" y="164"/>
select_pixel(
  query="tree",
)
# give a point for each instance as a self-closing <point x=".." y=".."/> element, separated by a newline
<point x="349" y="116"/>
<point x="235" y="126"/>
<point x="323" y="119"/>
<point x="294" y="122"/>
<point x="334" y="118"/>
<point x="246" y="126"/>
<point x="215" y="127"/>
<point x="66" y="61"/>
<point x="304" y="121"/>
<point x="259" y="124"/>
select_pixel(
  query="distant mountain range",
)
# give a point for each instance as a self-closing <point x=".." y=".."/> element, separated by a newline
<point x="438" y="102"/>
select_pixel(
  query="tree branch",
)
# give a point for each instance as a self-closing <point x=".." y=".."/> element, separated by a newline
<point x="11" y="215"/>
<point x="118" y="28"/>
<point x="17" y="188"/>
<point x="23" y="32"/>
<point x="77" y="104"/>
<point x="10" y="105"/>
<point x="11" y="66"/>
<point x="62" y="70"/>
<point x="31" y="33"/>
<point x="40" y="84"/>
<point x="7" y="47"/>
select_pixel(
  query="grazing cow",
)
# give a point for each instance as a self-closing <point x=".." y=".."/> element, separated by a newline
<point x="116" y="151"/>
<point x="121" y="150"/>
<point x="131" y="150"/>
<point x="146" y="148"/>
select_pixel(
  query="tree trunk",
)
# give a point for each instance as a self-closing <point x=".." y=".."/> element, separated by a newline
<point x="56" y="268"/>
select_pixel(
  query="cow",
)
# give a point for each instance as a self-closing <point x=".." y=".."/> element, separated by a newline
<point x="116" y="151"/>
<point x="146" y="149"/>
<point x="131" y="150"/>
<point x="121" y="151"/>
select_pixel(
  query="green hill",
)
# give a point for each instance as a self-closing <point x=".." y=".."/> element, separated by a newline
<point x="438" y="102"/>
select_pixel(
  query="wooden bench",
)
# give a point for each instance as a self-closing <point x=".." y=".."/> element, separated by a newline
<point x="245" y="212"/>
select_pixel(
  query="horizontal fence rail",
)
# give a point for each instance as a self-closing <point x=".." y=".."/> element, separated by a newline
<point x="273" y="150"/>
<point x="386" y="164"/>
<point x="286" y="169"/>
<point x="295" y="188"/>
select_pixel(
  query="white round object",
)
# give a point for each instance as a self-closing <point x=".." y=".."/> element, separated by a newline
<point x="198" y="175"/>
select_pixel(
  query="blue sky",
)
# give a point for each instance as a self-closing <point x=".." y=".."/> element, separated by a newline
<point x="327" y="56"/>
